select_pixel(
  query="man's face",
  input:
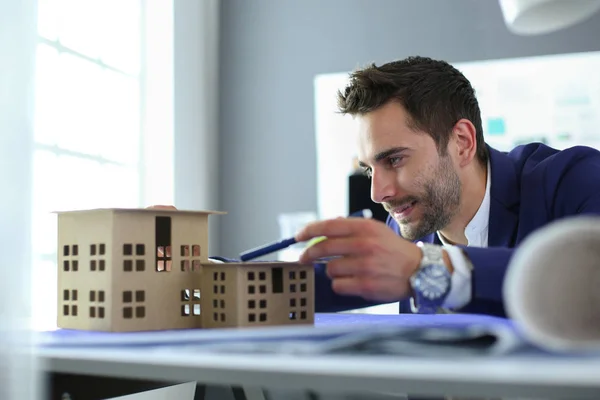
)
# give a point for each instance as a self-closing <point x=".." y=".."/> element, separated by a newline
<point x="420" y="188"/>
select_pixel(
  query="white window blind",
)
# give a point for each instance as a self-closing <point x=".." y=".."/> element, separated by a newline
<point x="91" y="146"/>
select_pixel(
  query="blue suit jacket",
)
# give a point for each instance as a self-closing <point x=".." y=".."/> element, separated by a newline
<point x="531" y="186"/>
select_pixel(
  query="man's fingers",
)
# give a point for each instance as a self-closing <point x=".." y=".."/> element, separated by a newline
<point x="338" y="227"/>
<point x="344" y="267"/>
<point x="332" y="247"/>
<point x="349" y="286"/>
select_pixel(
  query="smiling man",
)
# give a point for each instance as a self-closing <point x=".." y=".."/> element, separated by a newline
<point x="458" y="208"/>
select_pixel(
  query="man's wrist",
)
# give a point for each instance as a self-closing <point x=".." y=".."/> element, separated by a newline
<point x="460" y="292"/>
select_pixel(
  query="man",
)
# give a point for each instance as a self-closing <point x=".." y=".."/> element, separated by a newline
<point x="458" y="208"/>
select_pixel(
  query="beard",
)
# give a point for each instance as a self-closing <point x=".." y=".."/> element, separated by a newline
<point x="439" y="202"/>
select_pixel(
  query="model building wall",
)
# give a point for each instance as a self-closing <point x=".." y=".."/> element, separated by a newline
<point x="258" y="294"/>
<point x="160" y="275"/>
<point x="219" y="296"/>
<point x="84" y="280"/>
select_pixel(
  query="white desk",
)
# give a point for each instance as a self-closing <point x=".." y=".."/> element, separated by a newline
<point x="514" y="377"/>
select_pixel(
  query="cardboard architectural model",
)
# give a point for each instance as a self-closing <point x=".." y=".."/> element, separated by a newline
<point x="147" y="269"/>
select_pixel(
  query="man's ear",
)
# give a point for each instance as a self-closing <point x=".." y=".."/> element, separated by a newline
<point x="465" y="138"/>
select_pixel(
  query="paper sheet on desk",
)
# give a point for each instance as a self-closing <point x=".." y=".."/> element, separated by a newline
<point x="379" y="340"/>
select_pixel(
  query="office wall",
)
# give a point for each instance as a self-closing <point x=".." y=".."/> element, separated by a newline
<point x="271" y="51"/>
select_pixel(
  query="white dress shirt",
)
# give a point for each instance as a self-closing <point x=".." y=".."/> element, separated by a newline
<point x="476" y="233"/>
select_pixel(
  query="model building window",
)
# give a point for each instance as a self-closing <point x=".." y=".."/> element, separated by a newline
<point x="294" y="313"/>
<point x="138" y="309"/>
<point x="277" y="280"/>
<point x="191" y="300"/>
<point x="185" y="265"/>
<point x="196" y="250"/>
<point x="96" y="249"/>
<point x="190" y="309"/>
<point x="67" y="250"/>
<point x="219" y="276"/>
<point x="162" y="234"/>
<point x="127" y="249"/>
<point x="70" y="265"/>
<point x="140" y="265"/>
<point x="196" y="265"/>
<point x="185" y="250"/>
<point x="96" y="310"/>
<point x="69" y="300"/>
<point x="140" y="250"/>
<point x="262" y="317"/>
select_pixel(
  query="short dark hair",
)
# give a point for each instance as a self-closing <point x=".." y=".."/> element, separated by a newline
<point x="434" y="93"/>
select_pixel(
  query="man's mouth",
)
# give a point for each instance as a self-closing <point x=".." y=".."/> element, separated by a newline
<point x="404" y="210"/>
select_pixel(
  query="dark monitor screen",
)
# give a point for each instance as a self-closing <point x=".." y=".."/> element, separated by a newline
<point x="359" y="197"/>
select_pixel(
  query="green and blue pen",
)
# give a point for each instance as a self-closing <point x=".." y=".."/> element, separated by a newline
<point x="282" y="244"/>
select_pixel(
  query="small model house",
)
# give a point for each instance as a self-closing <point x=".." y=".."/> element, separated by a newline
<point x="148" y="269"/>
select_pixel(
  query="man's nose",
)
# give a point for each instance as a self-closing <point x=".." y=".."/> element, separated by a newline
<point x="383" y="186"/>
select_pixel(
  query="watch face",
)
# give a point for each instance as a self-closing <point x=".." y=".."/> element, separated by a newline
<point x="433" y="281"/>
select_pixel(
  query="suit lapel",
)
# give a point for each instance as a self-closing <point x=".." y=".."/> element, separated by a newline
<point x="504" y="200"/>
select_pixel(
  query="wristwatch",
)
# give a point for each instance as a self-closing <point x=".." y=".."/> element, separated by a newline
<point x="431" y="282"/>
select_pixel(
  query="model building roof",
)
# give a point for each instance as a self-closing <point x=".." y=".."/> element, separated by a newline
<point x="143" y="210"/>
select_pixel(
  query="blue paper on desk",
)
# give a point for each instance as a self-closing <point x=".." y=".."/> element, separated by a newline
<point x="394" y="340"/>
<point x="400" y="334"/>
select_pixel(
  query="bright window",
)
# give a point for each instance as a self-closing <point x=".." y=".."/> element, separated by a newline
<point x="90" y="145"/>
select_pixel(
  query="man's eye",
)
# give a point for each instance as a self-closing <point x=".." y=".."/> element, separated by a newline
<point x="394" y="161"/>
<point x="367" y="172"/>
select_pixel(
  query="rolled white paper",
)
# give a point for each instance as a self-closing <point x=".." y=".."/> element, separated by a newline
<point x="552" y="285"/>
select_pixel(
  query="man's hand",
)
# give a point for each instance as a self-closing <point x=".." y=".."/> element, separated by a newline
<point x="373" y="262"/>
